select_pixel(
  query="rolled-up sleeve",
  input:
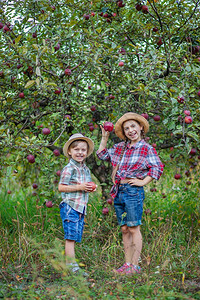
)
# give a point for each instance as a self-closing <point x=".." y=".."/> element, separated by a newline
<point x="154" y="164"/>
<point x="65" y="175"/>
<point x="103" y="155"/>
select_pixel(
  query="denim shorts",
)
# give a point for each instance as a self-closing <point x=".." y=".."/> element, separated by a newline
<point x="129" y="204"/>
<point x="72" y="221"/>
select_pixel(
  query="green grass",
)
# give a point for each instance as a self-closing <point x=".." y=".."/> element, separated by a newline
<point x="32" y="257"/>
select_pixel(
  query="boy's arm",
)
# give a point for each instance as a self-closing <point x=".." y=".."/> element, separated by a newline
<point x="84" y="187"/>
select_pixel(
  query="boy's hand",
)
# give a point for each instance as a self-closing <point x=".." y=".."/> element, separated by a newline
<point x="88" y="187"/>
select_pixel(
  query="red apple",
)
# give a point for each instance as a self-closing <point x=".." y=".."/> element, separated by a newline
<point x="121" y="63"/>
<point x="181" y="99"/>
<point x="34" y="185"/>
<point x="112" y="97"/>
<point x="114" y="14"/>
<point x="86" y="17"/>
<point x="31" y="158"/>
<point x="49" y="204"/>
<point x="188" y="182"/>
<point x="156" y="118"/>
<point x="145" y="115"/>
<point x="19" y="66"/>
<point x="68" y="72"/>
<point x="57" y="47"/>
<point x="89" y="87"/>
<point x="108" y="126"/>
<point x="58" y="173"/>
<point x="145" y="9"/>
<point x="58" y="91"/>
<point x="1" y="25"/>
<point x="93" y="108"/>
<point x="105" y="211"/>
<point x="91" y="128"/>
<point x="56" y="152"/>
<point x="21" y="95"/>
<point x="187" y="112"/>
<point x="110" y="201"/>
<point x="154" y="145"/>
<point x="93" y="185"/>
<point x="159" y="42"/>
<point x="138" y="6"/>
<point x="9" y="191"/>
<point x="188" y="119"/>
<point x="187" y="173"/>
<point x="155" y="29"/>
<point x="106" y="15"/>
<point x="193" y="151"/>
<point x="92" y="14"/>
<point x="34" y="35"/>
<point x="198" y="93"/>
<point x="6" y="28"/>
<point x="120" y="3"/>
<point x="46" y="131"/>
<point x="177" y="176"/>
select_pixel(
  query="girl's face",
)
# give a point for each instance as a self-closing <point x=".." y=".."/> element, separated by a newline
<point x="78" y="151"/>
<point x="132" y="131"/>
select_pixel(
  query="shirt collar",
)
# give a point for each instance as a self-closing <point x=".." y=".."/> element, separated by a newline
<point x="138" y="144"/>
<point x="79" y="165"/>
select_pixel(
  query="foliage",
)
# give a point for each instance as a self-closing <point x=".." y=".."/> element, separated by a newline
<point x="43" y="39"/>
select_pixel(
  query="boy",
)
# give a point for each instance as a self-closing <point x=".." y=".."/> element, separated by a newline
<point x="75" y="185"/>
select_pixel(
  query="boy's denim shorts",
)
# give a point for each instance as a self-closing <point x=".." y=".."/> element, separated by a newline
<point x="129" y="204"/>
<point x="73" y="222"/>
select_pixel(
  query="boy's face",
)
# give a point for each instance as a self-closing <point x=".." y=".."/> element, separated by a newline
<point x="79" y="152"/>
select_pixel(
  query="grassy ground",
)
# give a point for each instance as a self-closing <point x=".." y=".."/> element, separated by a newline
<point x="32" y="257"/>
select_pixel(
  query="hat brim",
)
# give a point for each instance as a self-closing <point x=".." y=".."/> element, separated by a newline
<point x="130" y="116"/>
<point x="85" y="139"/>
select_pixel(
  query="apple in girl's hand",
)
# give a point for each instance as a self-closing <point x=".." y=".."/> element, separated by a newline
<point x="108" y="126"/>
<point x="93" y="185"/>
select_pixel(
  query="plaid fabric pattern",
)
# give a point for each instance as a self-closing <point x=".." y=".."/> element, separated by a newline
<point x="75" y="173"/>
<point x="138" y="161"/>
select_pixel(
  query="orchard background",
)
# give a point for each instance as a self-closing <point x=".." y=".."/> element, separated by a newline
<point x="68" y="66"/>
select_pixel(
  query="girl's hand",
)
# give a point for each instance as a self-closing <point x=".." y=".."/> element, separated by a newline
<point x="105" y="134"/>
<point x="136" y="181"/>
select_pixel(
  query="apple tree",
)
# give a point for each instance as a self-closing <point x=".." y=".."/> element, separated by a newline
<point x="67" y="66"/>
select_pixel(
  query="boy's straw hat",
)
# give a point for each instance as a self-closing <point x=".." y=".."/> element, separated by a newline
<point x="130" y="116"/>
<point x="78" y="137"/>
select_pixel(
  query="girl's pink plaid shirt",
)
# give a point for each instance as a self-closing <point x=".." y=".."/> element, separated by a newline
<point x="138" y="161"/>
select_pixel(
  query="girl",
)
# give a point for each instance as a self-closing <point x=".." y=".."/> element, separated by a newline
<point x="135" y="164"/>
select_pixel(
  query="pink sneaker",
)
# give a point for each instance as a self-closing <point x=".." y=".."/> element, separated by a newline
<point x="133" y="269"/>
<point x="122" y="269"/>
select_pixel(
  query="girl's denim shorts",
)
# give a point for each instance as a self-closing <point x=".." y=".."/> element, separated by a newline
<point x="73" y="222"/>
<point x="129" y="204"/>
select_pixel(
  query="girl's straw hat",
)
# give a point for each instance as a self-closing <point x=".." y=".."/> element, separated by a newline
<point x="130" y="116"/>
<point x="78" y="137"/>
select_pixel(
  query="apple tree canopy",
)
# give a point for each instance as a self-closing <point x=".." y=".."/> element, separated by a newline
<point x="67" y="66"/>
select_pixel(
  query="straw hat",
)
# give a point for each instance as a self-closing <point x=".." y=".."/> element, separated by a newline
<point x="78" y="137"/>
<point x="130" y="116"/>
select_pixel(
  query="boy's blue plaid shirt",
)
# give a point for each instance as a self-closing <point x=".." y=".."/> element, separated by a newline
<point x="138" y="161"/>
<point x="75" y="173"/>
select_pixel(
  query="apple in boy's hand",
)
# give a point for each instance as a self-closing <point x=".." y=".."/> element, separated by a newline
<point x="93" y="185"/>
<point x="108" y="126"/>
